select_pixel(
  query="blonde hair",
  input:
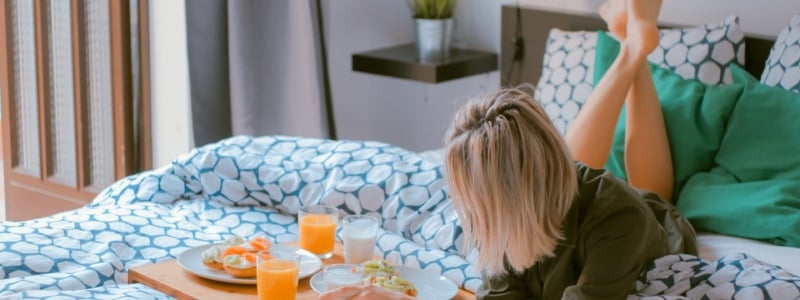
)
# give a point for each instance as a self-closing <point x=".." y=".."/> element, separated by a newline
<point x="512" y="180"/>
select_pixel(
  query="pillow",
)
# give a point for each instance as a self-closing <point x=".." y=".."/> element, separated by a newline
<point x="566" y="75"/>
<point x="695" y="115"/>
<point x="783" y="65"/>
<point x="753" y="190"/>
<point x="703" y="53"/>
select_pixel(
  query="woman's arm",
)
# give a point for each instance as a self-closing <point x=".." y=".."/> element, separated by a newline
<point x="508" y="286"/>
<point x="591" y="134"/>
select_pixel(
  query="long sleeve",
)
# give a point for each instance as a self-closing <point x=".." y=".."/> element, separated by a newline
<point x="509" y="286"/>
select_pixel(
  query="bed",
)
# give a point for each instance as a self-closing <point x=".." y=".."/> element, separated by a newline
<point x="254" y="186"/>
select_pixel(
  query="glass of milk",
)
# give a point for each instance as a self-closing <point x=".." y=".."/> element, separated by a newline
<point x="359" y="233"/>
<point x="339" y="275"/>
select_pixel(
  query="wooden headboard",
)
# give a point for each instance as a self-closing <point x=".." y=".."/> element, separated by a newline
<point x="536" y="25"/>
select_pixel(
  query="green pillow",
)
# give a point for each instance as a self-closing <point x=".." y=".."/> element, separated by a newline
<point x="695" y="115"/>
<point x="753" y="190"/>
<point x="763" y="136"/>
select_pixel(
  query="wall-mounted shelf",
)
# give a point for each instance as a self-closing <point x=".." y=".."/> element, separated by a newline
<point x="401" y="62"/>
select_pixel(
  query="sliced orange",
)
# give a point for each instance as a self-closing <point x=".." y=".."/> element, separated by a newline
<point x="251" y="257"/>
<point x="264" y="255"/>
<point x="259" y="243"/>
<point x="234" y="250"/>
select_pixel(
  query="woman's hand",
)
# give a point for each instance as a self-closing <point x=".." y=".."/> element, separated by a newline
<point x="362" y="292"/>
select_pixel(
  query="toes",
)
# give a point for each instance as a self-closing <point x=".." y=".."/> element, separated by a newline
<point x="615" y="14"/>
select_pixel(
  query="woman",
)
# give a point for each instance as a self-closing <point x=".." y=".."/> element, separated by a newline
<point x="545" y="226"/>
<point x="589" y="235"/>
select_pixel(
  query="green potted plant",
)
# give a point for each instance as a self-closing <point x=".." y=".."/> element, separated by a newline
<point x="433" y="28"/>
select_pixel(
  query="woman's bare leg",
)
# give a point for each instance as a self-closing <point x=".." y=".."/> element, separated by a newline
<point x="591" y="133"/>
<point x="648" y="161"/>
<point x="647" y="157"/>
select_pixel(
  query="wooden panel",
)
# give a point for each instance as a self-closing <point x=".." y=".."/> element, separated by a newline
<point x="95" y="82"/>
<point x="8" y="89"/>
<point x="756" y="52"/>
<point x="145" y="134"/>
<point x="32" y="201"/>
<point x="43" y="87"/>
<point x="119" y="16"/>
<point x="28" y="196"/>
<point x="79" y="88"/>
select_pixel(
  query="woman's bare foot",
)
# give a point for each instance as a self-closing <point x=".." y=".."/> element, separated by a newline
<point x="615" y="13"/>
<point x="642" y="29"/>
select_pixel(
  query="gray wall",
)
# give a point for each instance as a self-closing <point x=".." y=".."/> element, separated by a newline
<point x="406" y="113"/>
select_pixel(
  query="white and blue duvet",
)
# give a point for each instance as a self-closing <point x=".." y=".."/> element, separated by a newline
<point x="253" y="187"/>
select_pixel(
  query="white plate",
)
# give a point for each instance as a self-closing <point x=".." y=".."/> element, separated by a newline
<point x="192" y="261"/>
<point x="429" y="285"/>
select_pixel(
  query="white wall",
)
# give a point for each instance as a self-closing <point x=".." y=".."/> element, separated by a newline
<point x="171" y="113"/>
<point x="402" y="112"/>
<point x="765" y="18"/>
<point x="407" y="113"/>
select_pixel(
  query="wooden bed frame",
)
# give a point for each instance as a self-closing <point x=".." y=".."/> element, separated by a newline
<point x="535" y="26"/>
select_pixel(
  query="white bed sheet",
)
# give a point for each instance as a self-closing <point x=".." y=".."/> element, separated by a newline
<point x="713" y="246"/>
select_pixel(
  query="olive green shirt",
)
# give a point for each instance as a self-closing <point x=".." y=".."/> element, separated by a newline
<point x="612" y="232"/>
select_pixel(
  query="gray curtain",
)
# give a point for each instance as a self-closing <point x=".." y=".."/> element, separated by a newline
<point x="256" y="68"/>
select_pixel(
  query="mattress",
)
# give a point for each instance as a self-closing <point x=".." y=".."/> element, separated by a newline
<point x="714" y="246"/>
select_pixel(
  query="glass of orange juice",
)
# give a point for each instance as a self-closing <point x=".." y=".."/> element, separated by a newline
<point x="317" y="225"/>
<point x="277" y="269"/>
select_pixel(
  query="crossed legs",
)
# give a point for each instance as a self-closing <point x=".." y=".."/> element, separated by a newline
<point x="648" y="161"/>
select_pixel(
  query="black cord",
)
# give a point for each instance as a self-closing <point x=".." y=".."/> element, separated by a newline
<point x="518" y="45"/>
<point x="326" y="83"/>
<point x="518" y="29"/>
